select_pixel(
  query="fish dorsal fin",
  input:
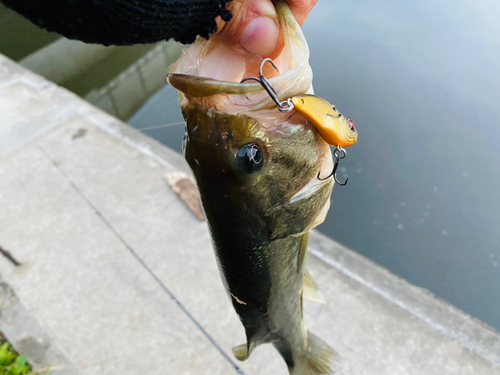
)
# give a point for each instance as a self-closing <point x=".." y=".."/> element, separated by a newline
<point x="311" y="290"/>
<point x="335" y="128"/>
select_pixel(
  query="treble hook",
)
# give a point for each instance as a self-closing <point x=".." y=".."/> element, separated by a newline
<point x="285" y="106"/>
<point x="339" y="154"/>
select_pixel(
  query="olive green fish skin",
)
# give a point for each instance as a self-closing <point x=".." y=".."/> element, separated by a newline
<point x="251" y="218"/>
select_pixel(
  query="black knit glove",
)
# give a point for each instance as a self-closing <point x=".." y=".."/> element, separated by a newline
<point x="124" y="22"/>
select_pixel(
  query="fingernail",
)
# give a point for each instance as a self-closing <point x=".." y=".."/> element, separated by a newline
<point x="260" y="36"/>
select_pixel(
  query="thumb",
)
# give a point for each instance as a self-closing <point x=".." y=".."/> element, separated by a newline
<point x="254" y="27"/>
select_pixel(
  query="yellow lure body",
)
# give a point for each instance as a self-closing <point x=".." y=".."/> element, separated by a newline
<point x="336" y="129"/>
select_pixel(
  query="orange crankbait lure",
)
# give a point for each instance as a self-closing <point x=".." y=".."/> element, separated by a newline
<point x="335" y="129"/>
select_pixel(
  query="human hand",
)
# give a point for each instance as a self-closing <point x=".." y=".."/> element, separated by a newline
<point x="255" y="28"/>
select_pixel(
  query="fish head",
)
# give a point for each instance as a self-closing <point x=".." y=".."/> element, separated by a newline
<point x="256" y="167"/>
<point x="259" y="166"/>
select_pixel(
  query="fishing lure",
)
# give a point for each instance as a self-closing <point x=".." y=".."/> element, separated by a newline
<point x="334" y="128"/>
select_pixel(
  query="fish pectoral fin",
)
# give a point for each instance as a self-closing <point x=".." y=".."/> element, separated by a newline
<point x="240" y="352"/>
<point x="243" y="351"/>
<point x="311" y="290"/>
<point x="320" y="218"/>
<point x="303" y="211"/>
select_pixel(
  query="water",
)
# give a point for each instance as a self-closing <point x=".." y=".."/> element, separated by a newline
<point x="19" y="37"/>
<point x="421" y="81"/>
<point x="162" y="109"/>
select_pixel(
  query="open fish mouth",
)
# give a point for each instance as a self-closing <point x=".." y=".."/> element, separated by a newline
<point x="209" y="68"/>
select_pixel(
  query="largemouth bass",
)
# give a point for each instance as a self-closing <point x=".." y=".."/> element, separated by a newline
<point x="256" y="169"/>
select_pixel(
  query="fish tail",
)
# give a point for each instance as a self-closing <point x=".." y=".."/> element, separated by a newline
<point x="319" y="359"/>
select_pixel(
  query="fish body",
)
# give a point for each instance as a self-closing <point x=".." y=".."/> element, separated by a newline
<point x="256" y="170"/>
<point x="259" y="206"/>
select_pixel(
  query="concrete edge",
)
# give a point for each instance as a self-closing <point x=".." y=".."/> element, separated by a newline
<point x="26" y="334"/>
<point x="450" y="321"/>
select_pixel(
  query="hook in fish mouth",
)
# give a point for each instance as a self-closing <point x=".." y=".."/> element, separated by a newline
<point x="285" y="106"/>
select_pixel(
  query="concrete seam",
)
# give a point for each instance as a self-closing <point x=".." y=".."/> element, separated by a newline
<point x="143" y="263"/>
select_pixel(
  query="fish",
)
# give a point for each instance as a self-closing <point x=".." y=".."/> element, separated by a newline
<point x="256" y="169"/>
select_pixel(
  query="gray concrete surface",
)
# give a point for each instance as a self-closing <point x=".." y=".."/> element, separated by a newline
<point x="119" y="277"/>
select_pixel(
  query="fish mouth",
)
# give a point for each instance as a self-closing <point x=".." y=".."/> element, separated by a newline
<point x="208" y="68"/>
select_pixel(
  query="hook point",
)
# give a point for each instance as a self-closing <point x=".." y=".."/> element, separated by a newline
<point x="264" y="62"/>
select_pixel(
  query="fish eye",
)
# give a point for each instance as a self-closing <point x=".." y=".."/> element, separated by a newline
<point x="250" y="158"/>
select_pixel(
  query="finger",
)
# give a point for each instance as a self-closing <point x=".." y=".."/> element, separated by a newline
<point x="260" y="36"/>
<point x="301" y="9"/>
<point x="254" y="27"/>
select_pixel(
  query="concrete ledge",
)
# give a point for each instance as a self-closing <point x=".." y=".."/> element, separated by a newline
<point x="453" y="323"/>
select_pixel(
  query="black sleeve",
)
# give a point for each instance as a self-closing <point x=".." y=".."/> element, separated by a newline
<point x="124" y="22"/>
